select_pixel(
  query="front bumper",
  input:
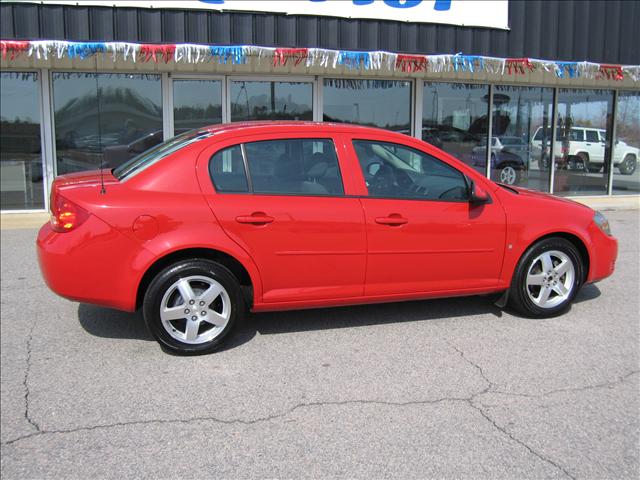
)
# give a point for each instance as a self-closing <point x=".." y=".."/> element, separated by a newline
<point x="604" y="253"/>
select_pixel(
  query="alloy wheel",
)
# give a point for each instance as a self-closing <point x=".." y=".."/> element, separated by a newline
<point x="508" y="175"/>
<point x="550" y="279"/>
<point x="195" y="309"/>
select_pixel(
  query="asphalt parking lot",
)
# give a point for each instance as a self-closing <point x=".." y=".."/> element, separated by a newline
<point x="449" y="388"/>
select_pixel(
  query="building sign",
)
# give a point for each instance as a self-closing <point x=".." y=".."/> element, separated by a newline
<point x="477" y="13"/>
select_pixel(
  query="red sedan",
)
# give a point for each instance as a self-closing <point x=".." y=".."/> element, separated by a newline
<point x="274" y="216"/>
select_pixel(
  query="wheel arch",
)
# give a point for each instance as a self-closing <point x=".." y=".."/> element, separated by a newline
<point x="228" y="261"/>
<point x="576" y="241"/>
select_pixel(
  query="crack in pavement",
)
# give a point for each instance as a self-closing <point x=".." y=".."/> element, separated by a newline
<point x="515" y="439"/>
<point x="25" y="382"/>
<point x="239" y="420"/>
<point x="487" y="417"/>
<point x="611" y="383"/>
<point x="491" y="385"/>
<point x="470" y="401"/>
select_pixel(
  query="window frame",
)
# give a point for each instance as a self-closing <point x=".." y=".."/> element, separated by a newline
<point x="249" y="179"/>
<point x="465" y="178"/>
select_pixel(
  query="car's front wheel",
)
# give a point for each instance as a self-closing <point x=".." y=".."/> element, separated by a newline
<point x="509" y="175"/>
<point x="547" y="278"/>
<point x="191" y="306"/>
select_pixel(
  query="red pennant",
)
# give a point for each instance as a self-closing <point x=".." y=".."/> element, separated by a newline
<point x="610" y="72"/>
<point x="148" y="52"/>
<point x="13" y="47"/>
<point x="411" y="63"/>
<point x="282" y="55"/>
<point x="519" y="65"/>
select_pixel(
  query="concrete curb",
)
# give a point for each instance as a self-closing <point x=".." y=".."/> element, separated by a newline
<point x="12" y="221"/>
<point x="626" y="202"/>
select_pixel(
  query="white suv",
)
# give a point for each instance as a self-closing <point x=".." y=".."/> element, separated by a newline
<point x="586" y="147"/>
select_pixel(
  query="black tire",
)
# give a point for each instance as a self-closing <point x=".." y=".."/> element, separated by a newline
<point x="519" y="293"/>
<point x="628" y="165"/>
<point x="164" y="284"/>
<point x="583" y="158"/>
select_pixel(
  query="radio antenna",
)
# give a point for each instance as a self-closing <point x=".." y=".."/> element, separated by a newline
<point x="102" y="189"/>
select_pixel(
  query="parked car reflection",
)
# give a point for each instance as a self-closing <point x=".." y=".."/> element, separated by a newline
<point x="508" y="158"/>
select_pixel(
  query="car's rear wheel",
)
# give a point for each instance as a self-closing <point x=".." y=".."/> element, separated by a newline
<point x="628" y="165"/>
<point x="547" y="278"/>
<point x="192" y="306"/>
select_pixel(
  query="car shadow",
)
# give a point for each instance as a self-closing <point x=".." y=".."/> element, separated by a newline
<point x="586" y="293"/>
<point x="107" y="323"/>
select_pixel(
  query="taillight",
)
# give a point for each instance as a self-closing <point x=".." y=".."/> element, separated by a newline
<point x="66" y="215"/>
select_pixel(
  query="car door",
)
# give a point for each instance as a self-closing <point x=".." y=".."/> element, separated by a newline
<point x="595" y="148"/>
<point x="283" y="201"/>
<point x="423" y="234"/>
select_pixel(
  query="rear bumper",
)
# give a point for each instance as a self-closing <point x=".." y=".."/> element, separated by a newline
<point x="604" y="253"/>
<point x="92" y="264"/>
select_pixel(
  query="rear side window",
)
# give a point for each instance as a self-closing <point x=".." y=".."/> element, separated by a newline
<point x="294" y="166"/>
<point x="576" y="135"/>
<point x="157" y="153"/>
<point x="227" y="171"/>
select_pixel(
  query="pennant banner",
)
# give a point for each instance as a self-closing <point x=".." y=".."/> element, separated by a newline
<point x="313" y="58"/>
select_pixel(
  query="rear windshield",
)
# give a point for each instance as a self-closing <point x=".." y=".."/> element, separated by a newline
<point x="157" y="153"/>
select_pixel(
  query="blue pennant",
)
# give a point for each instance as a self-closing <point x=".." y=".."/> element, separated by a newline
<point x="236" y="54"/>
<point x="85" y="49"/>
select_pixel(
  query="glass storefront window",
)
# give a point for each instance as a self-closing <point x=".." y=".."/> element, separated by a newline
<point x="21" y="172"/>
<point x="255" y="100"/>
<point x="377" y="103"/>
<point x="582" y="152"/>
<point x="455" y="118"/>
<point x="521" y="136"/>
<point x="126" y="120"/>
<point x="626" y="150"/>
<point x="196" y="103"/>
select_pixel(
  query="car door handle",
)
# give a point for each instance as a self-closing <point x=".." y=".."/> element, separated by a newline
<point x="393" y="220"/>
<point x="256" y="218"/>
<point x="588" y="144"/>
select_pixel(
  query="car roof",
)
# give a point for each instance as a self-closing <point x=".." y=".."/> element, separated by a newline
<point x="280" y="125"/>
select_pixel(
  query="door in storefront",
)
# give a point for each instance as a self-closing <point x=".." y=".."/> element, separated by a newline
<point x="21" y="168"/>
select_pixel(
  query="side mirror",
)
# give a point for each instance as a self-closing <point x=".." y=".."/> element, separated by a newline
<point x="477" y="195"/>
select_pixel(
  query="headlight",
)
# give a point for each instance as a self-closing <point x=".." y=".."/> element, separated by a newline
<point x="602" y="222"/>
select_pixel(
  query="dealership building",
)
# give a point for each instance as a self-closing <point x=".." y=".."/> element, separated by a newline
<point x="539" y="94"/>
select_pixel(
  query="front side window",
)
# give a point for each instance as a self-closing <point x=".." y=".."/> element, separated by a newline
<point x="294" y="166"/>
<point x="396" y="171"/>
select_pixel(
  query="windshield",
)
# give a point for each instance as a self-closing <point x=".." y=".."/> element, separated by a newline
<point x="157" y="153"/>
